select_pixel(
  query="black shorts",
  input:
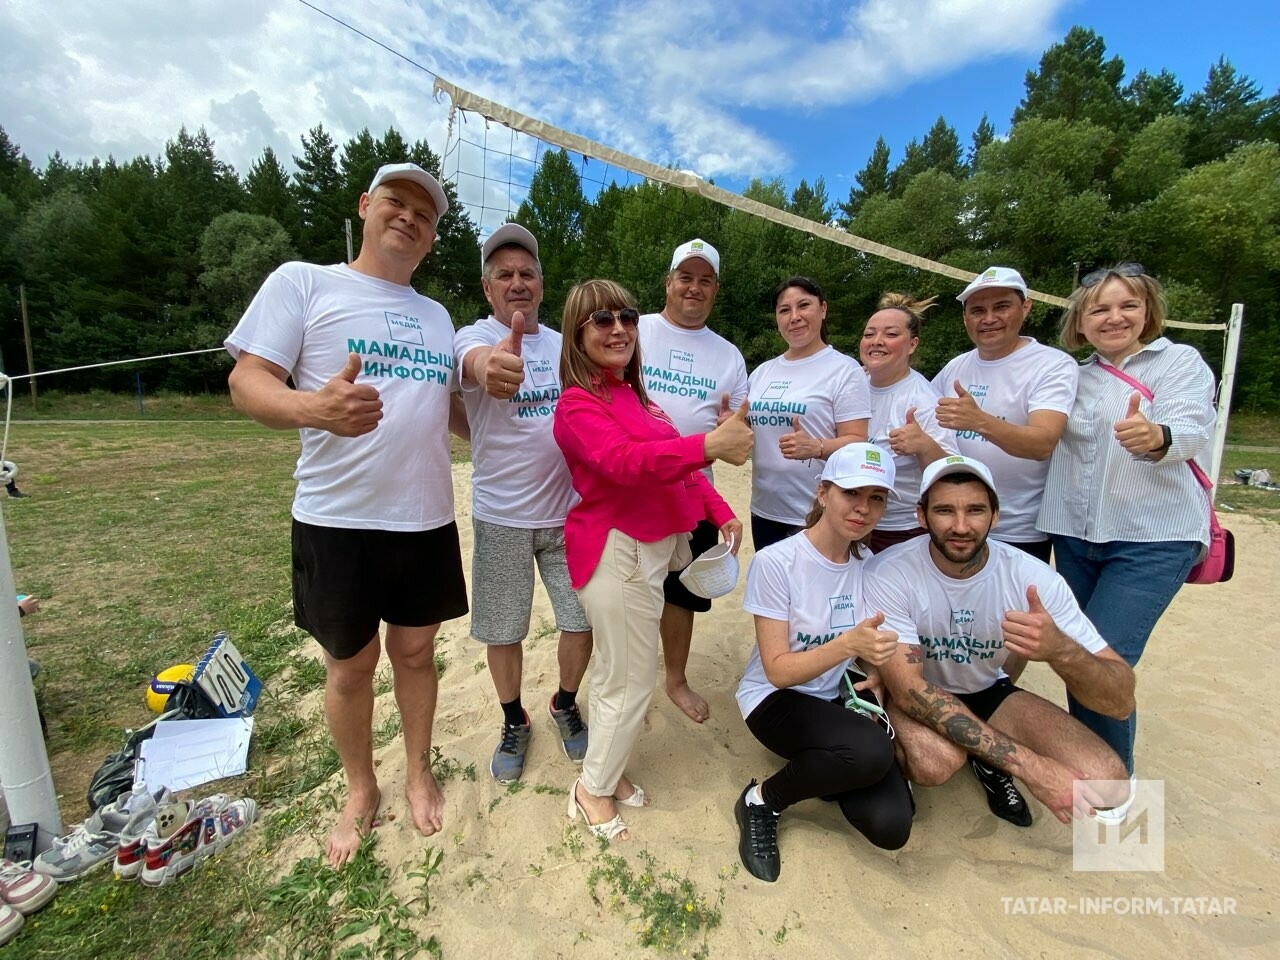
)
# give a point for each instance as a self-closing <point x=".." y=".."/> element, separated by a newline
<point x="1040" y="549"/>
<point x="985" y="702"/>
<point x="346" y="581"/>
<point x="705" y="536"/>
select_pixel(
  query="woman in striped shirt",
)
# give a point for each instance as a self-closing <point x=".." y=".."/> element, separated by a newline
<point x="1127" y="517"/>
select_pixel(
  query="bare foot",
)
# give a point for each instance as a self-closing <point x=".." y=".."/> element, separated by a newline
<point x="626" y="790"/>
<point x="683" y="696"/>
<point x="357" y="819"/>
<point x="597" y="810"/>
<point x="426" y="802"/>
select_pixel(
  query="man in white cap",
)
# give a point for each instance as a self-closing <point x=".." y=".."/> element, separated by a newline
<point x="970" y="612"/>
<point x="521" y="494"/>
<point x="1007" y="400"/>
<point x="374" y="538"/>
<point x="698" y="378"/>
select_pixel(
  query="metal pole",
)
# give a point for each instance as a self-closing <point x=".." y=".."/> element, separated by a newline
<point x="1229" y="356"/>
<point x="26" y="336"/>
<point x="24" y="763"/>
<point x="347" y="231"/>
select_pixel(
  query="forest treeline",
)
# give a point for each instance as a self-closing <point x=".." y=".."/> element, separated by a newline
<point x="125" y="258"/>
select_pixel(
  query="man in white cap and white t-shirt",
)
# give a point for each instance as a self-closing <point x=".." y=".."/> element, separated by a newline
<point x="374" y="538"/>
<point x="970" y="612"/>
<point x="510" y="365"/>
<point x="697" y="377"/>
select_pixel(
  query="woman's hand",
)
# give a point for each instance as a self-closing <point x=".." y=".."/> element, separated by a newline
<point x="1136" y="433"/>
<point x="731" y="441"/>
<point x="798" y="444"/>
<point x="909" y="439"/>
<point x="868" y="642"/>
<point x="732" y="531"/>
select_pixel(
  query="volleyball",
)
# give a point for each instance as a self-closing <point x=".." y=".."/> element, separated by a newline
<point x="162" y="684"/>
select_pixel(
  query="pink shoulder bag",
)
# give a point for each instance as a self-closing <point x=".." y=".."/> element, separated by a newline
<point x="1219" y="563"/>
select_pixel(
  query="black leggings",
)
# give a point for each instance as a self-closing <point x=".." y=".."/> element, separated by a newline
<point x="834" y="753"/>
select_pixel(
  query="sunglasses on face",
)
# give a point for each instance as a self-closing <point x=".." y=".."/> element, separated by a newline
<point x="1119" y="270"/>
<point x="605" y="319"/>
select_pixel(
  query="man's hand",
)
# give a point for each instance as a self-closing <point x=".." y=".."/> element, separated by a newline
<point x="798" y="445"/>
<point x="344" y="407"/>
<point x="732" y="440"/>
<point x="504" y="368"/>
<point x="1052" y="783"/>
<point x="725" y="411"/>
<point x="1135" y="432"/>
<point x="869" y="642"/>
<point x="960" y="412"/>
<point x="1032" y="634"/>
<point x="732" y="531"/>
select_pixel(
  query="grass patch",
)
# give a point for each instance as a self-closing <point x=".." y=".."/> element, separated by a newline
<point x="664" y="907"/>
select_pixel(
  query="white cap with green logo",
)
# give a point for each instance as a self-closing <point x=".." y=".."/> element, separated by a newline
<point x="956" y="464"/>
<point x="861" y="465"/>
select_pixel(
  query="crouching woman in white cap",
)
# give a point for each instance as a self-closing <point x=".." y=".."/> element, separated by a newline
<point x="806" y="595"/>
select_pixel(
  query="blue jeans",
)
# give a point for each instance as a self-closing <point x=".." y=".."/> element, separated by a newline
<point x="1123" y="588"/>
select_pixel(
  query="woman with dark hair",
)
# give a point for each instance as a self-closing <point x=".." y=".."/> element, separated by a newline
<point x="805" y="405"/>
<point x="1127" y="516"/>
<point x="806" y="595"/>
<point x="642" y="491"/>
<point x="903" y="423"/>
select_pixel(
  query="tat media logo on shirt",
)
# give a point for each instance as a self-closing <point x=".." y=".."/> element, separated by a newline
<point x="404" y="329"/>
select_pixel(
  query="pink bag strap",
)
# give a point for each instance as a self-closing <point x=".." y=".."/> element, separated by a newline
<point x="1200" y="476"/>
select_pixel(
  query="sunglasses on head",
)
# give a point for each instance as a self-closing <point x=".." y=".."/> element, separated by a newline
<point x="605" y="319"/>
<point x="1119" y="270"/>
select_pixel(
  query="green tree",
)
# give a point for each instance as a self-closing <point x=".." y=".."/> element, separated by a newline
<point x="1226" y="114"/>
<point x="268" y="194"/>
<point x="317" y="186"/>
<point x="553" y="212"/>
<point x="871" y="180"/>
<point x="1151" y="96"/>
<point x="1154" y="159"/>
<point x="984" y="133"/>
<point x="237" y="251"/>
<point x="1076" y="82"/>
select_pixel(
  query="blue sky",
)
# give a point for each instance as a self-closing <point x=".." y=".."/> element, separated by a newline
<point x="768" y="88"/>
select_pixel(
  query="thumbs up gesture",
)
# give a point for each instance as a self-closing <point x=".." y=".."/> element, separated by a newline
<point x="725" y="411"/>
<point x="504" y="368"/>
<point x="960" y="412"/>
<point x="908" y="439"/>
<point x="798" y="445"/>
<point x="1031" y="633"/>
<point x="731" y="440"/>
<point x="1135" y="432"/>
<point x="344" y="407"/>
<point x="870" y="641"/>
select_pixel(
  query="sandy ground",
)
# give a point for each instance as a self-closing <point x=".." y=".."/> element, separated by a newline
<point x="966" y="884"/>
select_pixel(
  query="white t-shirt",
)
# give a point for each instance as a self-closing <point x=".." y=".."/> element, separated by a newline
<point x="1033" y="377"/>
<point x="686" y="372"/>
<point x="817" y="600"/>
<point x="957" y="622"/>
<point x="889" y="406"/>
<point x="822" y="390"/>
<point x="519" y="477"/>
<point x="306" y="319"/>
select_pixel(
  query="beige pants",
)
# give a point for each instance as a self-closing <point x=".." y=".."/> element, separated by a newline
<point x="623" y="600"/>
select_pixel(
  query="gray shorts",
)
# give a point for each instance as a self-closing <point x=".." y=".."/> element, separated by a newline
<point x="502" y="582"/>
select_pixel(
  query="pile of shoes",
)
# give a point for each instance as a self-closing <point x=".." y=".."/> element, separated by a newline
<point x="152" y="836"/>
<point x="22" y="893"/>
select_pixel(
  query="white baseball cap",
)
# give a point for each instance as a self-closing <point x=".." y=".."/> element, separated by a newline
<point x="996" y="277"/>
<point x="861" y="465"/>
<point x="714" y="573"/>
<point x="414" y="174"/>
<point x="505" y="234"/>
<point x="956" y="464"/>
<point x="696" y="248"/>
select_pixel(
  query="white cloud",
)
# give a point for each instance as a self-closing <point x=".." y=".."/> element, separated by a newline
<point x="666" y="80"/>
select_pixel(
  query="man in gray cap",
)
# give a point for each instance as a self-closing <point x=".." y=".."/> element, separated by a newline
<point x="374" y="538"/>
<point x="521" y="494"/>
<point x="970" y="612"/>
<point x="697" y="377"/>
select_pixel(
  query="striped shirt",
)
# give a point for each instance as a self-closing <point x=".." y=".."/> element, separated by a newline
<point x="1099" y="492"/>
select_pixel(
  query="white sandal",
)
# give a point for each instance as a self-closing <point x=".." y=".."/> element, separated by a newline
<point x="637" y="799"/>
<point x="607" y="831"/>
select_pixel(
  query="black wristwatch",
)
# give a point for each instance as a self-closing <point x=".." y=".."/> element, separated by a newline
<point x="1168" y="439"/>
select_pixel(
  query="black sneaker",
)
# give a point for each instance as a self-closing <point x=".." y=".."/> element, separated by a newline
<point x="1002" y="794"/>
<point x="757" y="838"/>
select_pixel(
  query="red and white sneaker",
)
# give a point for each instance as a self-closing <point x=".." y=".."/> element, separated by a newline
<point x="187" y="832"/>
<point x="133" y="837"/>
<point x="11" y="922"/>
<point x="23" y="889"/>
